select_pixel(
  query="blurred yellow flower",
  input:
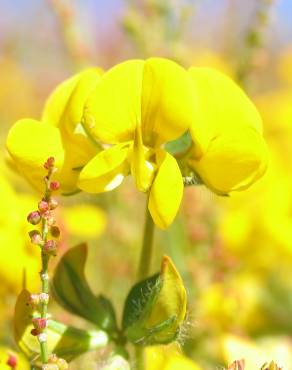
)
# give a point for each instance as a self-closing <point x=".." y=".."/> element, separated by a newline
<point x="84" y="220"/>
<point x="168" y="358"/>
<point x="229" y="152"/>
<point x="59" y="134"/>
<point x="16" y="252"/>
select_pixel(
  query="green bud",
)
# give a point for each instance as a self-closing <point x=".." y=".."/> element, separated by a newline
<point x="156" y="307"/>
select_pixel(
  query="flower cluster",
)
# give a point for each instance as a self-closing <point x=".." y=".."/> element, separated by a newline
<point x="46" y="239"/>
<point x="101" y="127"/>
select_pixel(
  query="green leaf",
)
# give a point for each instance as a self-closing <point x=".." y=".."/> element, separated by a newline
<point x="156" y="307"/>
<point x="66" y="341"/>
<point x="74" y="294"/>
<point x="179" y="145"/>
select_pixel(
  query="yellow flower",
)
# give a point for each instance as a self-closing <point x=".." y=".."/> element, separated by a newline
<point x="167" y="358"/>
<point x="137" y="107"/>
<point x="59" y="134"/>
<point x="228" y="151"/>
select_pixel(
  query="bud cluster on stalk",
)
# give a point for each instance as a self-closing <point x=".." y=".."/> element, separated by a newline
<point x="45" y="237"/>
<point x="44" y="215"/>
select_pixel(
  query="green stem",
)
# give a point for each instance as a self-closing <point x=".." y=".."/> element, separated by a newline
<point x="139" y="357"/>
<point x="147" y="246"/>
<point x="143" y="272"/>
<point x="44" y="289"/>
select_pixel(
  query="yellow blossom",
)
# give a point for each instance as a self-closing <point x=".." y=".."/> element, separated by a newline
<point x="138" y="106"/>
<point x="228" y="151"/>
<point x="59" y="134"/>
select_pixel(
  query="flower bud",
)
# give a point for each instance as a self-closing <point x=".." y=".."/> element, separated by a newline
<point x="50" y="367"/>
<point x="62" y="364"/>
<point x="34" y="332"/>
<point x="39" y="323"/>
<point x="43" y="206"/>
<point x="237" y="365"/>
<point x="53" y="203"/>
<point x="50" y="247"/>
<point x="53" y="359"/>
<point x="35" y="237"/>
<point x="44" y="298"/>
<point x="55" y="231"/>
<point x="54" y="185"/>
<point x="34" y="300"/>
<point x="34" y="217"/>
<point x="12" y="361"/>
<point x="49" y="164"/>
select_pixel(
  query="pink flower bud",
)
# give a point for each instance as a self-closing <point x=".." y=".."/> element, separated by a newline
<point x="55" y="231"/>
<point x="34" y="217"/>
<point x="54" y="185"/>
<point x="39" y="323"/>
<point x="53" y="203"/>
<point x="35" y="237"/>
<point x="49" y="164"/>
<point x="12" y="361"/>
<point x="43" y="206"/>
<point x="34" y="332"/>
<point x="50" y="247"/>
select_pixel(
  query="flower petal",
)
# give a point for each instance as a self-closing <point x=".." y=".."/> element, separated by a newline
<point x="232" y="162"/>
<point x="30" y="143"/>
<point x="106" y="170"/>
<point x="64" y="108"/>
<point x="166" y="191"/>
<point x="168" y="101"/>
<point x="142" y="169"/>
<point x="113" y="109"/>
<point x="69" y="97"/>
<point x="222" y="107"/>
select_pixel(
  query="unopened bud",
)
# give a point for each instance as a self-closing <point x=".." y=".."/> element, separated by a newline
<point x="53" y="203"/>
<point x="42" y="337"/>
<point x="62" y="364"/>
<point x="43" y="206"/>
<point x="50" y="247"/>
<point x="44" y="298"/>
<point x="34" y="217"/>
<point x="35" y="237"/>
<point x="54" y="185"/>
<point x="237" y="365"/>
<point x="50" y="367"/>
<point x="34" y="332"/>
<point x="51" y="221"/>
<point x="12" y="361"/>
<point x="39" y="323"/>
<point x="55" y="231"/>
<point x="49" y="164"/>
<point x="53" y="359"/>
<point x="34" y="300"/>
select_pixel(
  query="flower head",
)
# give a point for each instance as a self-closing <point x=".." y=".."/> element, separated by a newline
<point x="136" y="108"/>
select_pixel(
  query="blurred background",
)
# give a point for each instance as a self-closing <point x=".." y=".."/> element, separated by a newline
<point x="235" y="253"/>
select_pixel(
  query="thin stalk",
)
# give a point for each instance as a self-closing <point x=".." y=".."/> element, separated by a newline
<point x="147" y="246"/>
<point x="143" y="272"/>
